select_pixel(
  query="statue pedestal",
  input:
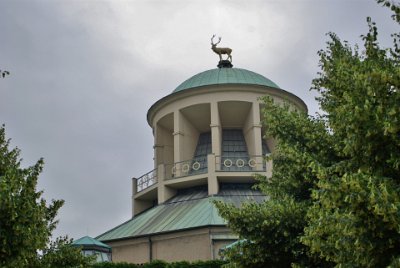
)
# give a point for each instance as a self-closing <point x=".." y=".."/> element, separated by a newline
<point x="224" y="64"/>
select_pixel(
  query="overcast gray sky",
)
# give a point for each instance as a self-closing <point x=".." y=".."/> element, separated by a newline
<point x="84" y="73"/>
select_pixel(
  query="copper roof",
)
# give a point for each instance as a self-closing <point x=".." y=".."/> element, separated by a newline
<point x="225" y="76"/>
<point x="191" y="208"/>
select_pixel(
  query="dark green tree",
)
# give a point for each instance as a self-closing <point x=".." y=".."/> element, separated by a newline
<point x="355" y="216"/>
<point x="335" y="190"/>
<point x="26" y="219"/>
<point x="271" y="231"/>
<point x="60" y="253"/>
<point x="4" y="73"/>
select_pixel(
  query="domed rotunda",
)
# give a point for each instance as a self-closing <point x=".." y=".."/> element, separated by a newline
<point x="208" y="144"/>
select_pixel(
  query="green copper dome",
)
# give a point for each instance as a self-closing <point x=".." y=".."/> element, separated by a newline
<point x="225" y="76"/>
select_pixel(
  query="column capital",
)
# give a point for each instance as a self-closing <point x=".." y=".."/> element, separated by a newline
<point x="177" y="133"/>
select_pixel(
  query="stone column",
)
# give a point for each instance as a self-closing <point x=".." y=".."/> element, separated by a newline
<point x="216" y="132"/>
<point x="163" y="192"/>
<point x="257" y="135"/>
<point x="134" y="190"/>
<point x="213" y="186"/>
<point x="178" y="139"/>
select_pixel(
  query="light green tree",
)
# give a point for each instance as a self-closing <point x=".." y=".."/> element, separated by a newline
<point x="334" y="197"/>
<point x="26" y="219"/>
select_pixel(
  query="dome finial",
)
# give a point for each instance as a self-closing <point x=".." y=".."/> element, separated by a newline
<point x="220" y="51"/>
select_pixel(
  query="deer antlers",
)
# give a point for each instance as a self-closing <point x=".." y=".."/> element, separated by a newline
<point x="212" y="40"/>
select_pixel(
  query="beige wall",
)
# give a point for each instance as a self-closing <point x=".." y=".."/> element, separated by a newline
<point x="184" y="99"/>
<point x="226" y="105"/>
<point x="188" y="139"/>
<point x="189" y="246"/>
<point x="192" y="245"/>
<point x="216" y="129"/>
<point x="134" y="250"/>
<point x="248" y="132"/>
<point x="164" y="146"/>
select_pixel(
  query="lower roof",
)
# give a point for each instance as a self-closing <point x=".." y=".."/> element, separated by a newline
<point x="88" y="241"/>
<point x="190" y="208"/>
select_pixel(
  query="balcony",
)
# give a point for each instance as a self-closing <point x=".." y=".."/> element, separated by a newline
<point x="255" y="163"/>
<point x="147" y="180"/>
<point x="195" y="166"/>
<point x="220" y="166"/>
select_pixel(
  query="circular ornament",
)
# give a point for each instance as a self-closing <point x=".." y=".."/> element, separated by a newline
<point x="252" y="163"/>
<point x="185" y="168"/>
<point x="240" y="163"/>
<point x="228" y="163"/>
<point x="196" y="165"/>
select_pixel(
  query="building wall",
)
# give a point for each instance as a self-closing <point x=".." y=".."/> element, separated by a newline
<point x="184" y="149"/>
<point x="229" y="106"/>
<point x="251" y="94"/>
<point x="192" y="245"/>
<point x="134" y="250"/>
<point x="164" y="146"/>
<point x="177" y="121"/>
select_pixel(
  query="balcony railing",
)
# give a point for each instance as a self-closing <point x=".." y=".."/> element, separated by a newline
<point x="200" y="165"/>
<point x="147" y="180"/>
<point x="190" y="167"/>
<point x="255" y="163"/>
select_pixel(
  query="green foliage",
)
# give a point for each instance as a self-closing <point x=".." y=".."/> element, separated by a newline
<point x="273" y="229"/>
<point x="163" y="264"/>
<point x="114" y="265"/>
<point x="156" y="264"/>
<point x="335" y="189"/>
<point x="395" y="8"/>
<point x="198" y="264"/>
<point x="61" y="253"/>
<point x="26" y="220"/>
<point x="4" y="73"/>
<point x="280" y="219"/>
<point x="354" y="220"/>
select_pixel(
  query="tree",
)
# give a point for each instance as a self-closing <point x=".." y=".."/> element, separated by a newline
<point x="4" y="73"/>
<point x="60" y="253"/>
<point x="26" y="219"/>
<point x="272" y="230"/>
<point x="355" y="216"/>
<point x="335" y="190"/>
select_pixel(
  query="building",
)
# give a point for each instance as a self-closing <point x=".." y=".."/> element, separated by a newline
<point x="208" y="144"/>
<point x="90" y="246"/>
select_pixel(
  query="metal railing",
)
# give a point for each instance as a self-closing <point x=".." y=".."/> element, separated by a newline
<point x="185" y="168"/>
<point x="240" y="163"/>
<point x="199" y="165"/>
<point x="147" y="180"/>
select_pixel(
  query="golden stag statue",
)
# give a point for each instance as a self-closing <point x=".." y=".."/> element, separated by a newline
<point x="220" y="50"/>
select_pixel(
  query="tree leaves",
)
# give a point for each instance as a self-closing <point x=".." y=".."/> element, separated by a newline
<point x="334" y="196"/>
<point x="26" y="219"/>
<point x="4" y="73"/>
